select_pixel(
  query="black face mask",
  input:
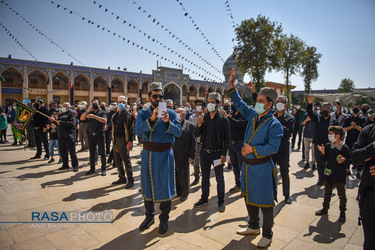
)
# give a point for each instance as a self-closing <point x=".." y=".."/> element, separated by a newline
<point x="95" y="106"/>
<point x="233" y="108"/>
<point x="324" y="113"/>
<point x="364" y="111"/>
<point x="356" y="110"/>
<point x="102" y="107"/>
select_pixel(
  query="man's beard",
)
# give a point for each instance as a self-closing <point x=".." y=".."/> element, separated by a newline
<point x="155" y="104"/>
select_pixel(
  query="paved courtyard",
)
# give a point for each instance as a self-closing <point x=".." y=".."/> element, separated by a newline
<point x="27" y="186"/>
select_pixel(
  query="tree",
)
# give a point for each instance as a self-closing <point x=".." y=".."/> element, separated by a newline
<point x="292" y="48"/>
<point x="346" y="85"/>
<point x="310" y="60"/>
<point x="256" y="51"/>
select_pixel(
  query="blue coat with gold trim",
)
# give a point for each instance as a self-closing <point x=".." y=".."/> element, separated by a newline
<point x="157" y="168"/>
<point x="259" y="182"/>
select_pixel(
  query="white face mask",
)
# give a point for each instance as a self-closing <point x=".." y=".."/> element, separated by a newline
<point x="198" y="108"/>
<point x="211" y="107"/>
<point x="113" y="107"/>
<point x="148" y="104"/>
<point x="298" y="106"/>
<point x="280" y="106"/>
<point x="63" y="109"/>
<point x="178" y="116"/>
<point x="331" y="138"/>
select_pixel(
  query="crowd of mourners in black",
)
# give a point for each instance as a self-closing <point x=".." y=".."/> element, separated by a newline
<point x="335" y="139"/>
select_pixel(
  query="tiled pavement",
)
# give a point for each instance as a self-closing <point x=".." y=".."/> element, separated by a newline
<point x="33" y="185"/>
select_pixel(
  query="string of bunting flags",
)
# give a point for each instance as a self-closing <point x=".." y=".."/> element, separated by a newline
<point x="200" y="30"/>
<point x="32" y="26"/>
<point x="171" y="33"/>
<point x="104" y="29"/>
<point x="128" y="24"/>
<point x="17" y="41"/>
<point x="228" y="9"/>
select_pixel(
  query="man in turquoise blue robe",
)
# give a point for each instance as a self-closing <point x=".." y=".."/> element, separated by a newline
<point x="262" y="140"/>
<point x="157" y="161"/>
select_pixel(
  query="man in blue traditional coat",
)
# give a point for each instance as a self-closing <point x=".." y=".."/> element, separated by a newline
<point x="262" y="140"/>
<point x="157" y="162"/>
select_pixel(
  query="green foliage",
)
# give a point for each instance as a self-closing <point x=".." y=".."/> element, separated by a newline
<point x="257" y="49"/>
<point x="346" y="85"/>
<point x="292" y="50"/>
<point x="310" y="60"/>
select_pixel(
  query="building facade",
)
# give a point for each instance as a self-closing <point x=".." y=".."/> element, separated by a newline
<point x="69" y="83"/>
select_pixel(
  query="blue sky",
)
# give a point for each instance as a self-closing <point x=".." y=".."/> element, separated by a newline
<point x="342" y="30"/>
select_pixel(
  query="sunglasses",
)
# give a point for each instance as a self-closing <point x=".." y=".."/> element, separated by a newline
<point x="157" y="96"/>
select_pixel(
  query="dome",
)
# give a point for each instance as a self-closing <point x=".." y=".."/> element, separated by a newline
<point x="227" y="67"/>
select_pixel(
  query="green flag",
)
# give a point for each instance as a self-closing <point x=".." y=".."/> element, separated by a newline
<point x="24" y="114"/>
<point x="2" y="78"/>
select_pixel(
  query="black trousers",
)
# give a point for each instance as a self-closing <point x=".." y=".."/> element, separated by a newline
<point x="108" y="139"/>
<point x="165" y="208"/>
<point x="267" y="212"/>
<point x="97" y="140"/>
<point x="236" y="160"/>
<point x="3" y="134"/>
<point x="321" y="165"/>
<point x="68" y="145"/>
<point x="282" y="159"/>
<point x="122" y="155"/>
<point x="41" y="137"/>
<point x="182" y="179"/>
<point x="295" y="132"/>
<point x="328" y="186"/>
<point x="368" y="219"/>
<point x="207" y="160"/>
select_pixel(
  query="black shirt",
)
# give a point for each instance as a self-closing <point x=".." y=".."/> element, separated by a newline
<point x="287" y="120"/>
<point x="53" y="133"/>
<point x="321" y="126"/>
<point x="352" y="134"/>
<point x="238" y="125"/>
<point x="67" y="126"/>
<point x="185" y="145"/>
<point x="96" y="126"/>
<point x="80" y="112"/>
<point x="362" y="150"/>
<point x="40" y="121"/>
<point x="119" y="121"/>
<point x="109" y="118"/>
<point x="215" y="133"/>
<point x="334" y="171"/>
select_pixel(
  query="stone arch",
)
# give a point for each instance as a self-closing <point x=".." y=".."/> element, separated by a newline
<point x="173" y="91"/>
<point x="202" y="91"/>
<point x="145" y="87"/>
<point x="37" y="79"/>
<point x="13" y="77"/>
<point x="133" y="86"/>
<point x="60" y="81"/>
<point x="210" y="89"/>
<point x="193" y="90"/>
<point x="100" y="83"/>
<point x="117" y="85"/>
<point x="81" y="82"/>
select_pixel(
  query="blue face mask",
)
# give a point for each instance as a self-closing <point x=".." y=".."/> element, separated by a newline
<point x="259" y="108"/>
<point x="121" y="106"/>
<point x="334" y="108"/>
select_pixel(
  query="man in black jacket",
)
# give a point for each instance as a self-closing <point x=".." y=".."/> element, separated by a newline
<point x="322" y="122"/>
<point x="184" y="153"/>
<point x="238" y="125"/>
<point x="282" y="155"/>
<point x="122" y="124"/>
<point x="66" y="122"/>
<point x="40" y="129"/>
<point x="215" y="137"/>
<point x="363" y="152"/>
<point x="97" y="120"/>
